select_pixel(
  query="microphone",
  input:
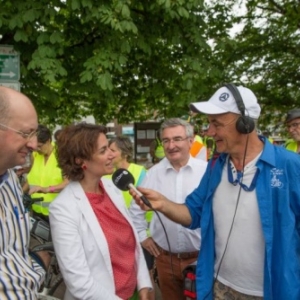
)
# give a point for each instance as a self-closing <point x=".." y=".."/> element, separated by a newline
<point x="124" y="181"/>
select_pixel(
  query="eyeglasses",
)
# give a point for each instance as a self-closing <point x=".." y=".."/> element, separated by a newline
<point x="24" y="135"/>
<point x="293" y="125"/>
<point x="175" y="140"/>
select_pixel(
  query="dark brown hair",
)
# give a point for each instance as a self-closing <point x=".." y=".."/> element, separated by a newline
<point x="76" y="143"/>
<point x="44" y="134"/>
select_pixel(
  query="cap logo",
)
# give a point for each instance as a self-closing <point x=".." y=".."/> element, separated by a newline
<point x="224" y="97"/>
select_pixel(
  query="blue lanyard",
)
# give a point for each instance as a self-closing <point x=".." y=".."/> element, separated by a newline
<point x="239" y="178"/>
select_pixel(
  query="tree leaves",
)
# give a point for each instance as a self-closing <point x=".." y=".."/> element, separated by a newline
<point x="128" y="59"/>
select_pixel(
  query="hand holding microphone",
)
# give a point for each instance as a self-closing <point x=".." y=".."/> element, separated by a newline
<point x="124" y="181"/>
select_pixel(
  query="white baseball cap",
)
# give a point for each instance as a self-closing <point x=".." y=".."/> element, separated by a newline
<point x="223" y="102"/>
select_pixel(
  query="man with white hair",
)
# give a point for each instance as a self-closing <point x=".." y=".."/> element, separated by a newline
<point x="247" y="206"/>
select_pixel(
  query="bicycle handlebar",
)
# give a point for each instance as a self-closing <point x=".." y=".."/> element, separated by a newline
<point x="28" y="201"/>
<point x="44" y="247"/>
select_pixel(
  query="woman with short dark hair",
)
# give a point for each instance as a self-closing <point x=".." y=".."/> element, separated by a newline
<point x="95" y="243"/>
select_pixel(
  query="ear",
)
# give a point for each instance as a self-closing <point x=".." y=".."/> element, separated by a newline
<point x="191" y="140"/>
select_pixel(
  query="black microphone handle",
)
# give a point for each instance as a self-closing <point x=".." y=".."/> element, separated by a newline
<point x="143" y="198"/>
<point x="146" y="201"/>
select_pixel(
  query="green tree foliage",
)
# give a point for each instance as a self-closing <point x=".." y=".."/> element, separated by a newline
<point x="264" y="53"/>
<point x="123" y="59"/>
<point x="131" y="60"/>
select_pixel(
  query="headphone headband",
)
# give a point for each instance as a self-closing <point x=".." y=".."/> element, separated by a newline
<point x="237" y="96"/>
<point x="244" y="124"/>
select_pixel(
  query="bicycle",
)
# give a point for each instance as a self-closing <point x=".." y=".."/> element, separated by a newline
<point x="40" y="231"/>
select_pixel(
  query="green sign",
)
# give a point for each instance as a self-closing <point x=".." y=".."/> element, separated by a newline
<point x="9" y="67"/>
<point x="15" y="85"/>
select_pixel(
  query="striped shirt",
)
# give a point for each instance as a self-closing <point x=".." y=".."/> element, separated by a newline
<point x="20" y="277"/>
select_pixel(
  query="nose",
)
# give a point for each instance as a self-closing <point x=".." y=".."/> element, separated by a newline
<point x="170" y="145"/>
<point x="171" y="141"/>
<point x="111" y="154"/>
<point x="211" y="130"/>
<point x="32" y="143"/>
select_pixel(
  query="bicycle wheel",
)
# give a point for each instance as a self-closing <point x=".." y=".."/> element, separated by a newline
<point x="58" y="287"/>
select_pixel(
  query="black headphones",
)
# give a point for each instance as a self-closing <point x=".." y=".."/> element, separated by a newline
<point x="244" y="124"/>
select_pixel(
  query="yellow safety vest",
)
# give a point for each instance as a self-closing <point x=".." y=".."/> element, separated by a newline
<point x="159" y="150"/>
<point x="291" y="145"/>
<point x="44" y="175"/>
<point x="211" y="152"/>
<point x="138" y="172"/>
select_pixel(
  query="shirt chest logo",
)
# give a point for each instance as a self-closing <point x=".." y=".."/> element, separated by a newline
<point x="276" y="174"/>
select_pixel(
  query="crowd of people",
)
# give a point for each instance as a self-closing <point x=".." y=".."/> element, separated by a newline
<point x="227" y="202"/>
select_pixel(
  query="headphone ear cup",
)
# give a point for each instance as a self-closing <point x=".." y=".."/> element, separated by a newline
<point x="244" y="125"/>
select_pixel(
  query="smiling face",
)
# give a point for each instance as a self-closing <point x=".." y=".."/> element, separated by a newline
<point x="293" y="128"/>
<point x="101" y="162"/>
<point x="14" y="147"/>
<point x="176" y="145"/>
<point x="118" y="157"/>
<point x="223" y="129"/>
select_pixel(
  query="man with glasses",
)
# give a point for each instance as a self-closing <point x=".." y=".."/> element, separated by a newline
<point x="20" y="276"/>
<point x="293" y="128"/>
<point x="247" y="206"/>
<point x="175" y="176"/>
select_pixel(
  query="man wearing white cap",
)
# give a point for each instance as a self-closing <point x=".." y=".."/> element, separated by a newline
<point x="247" y="206"/>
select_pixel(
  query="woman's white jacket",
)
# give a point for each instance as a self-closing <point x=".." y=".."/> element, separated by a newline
<point x="81" y="247"/>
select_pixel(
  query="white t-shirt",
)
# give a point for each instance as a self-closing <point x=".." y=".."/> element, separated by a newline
<point x="242" y="267"/>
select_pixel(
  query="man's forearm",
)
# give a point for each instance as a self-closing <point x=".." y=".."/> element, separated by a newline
<point x="178" y="213"/>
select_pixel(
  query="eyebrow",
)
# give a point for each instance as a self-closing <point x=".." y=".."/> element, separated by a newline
<point x="103" y="147"/>
<point x="216" y="121"/>
<point x="173" y="137"/>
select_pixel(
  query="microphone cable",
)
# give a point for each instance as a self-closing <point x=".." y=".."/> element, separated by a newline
<point x="168" y="242"/>
<point x="233" y="219"/>
<point x="124" y="180"/>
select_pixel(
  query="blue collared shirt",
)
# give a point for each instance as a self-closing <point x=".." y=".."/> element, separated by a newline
<point x="278" y="196"/>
